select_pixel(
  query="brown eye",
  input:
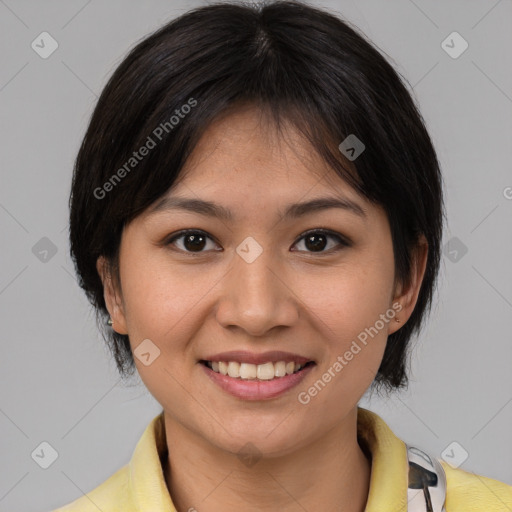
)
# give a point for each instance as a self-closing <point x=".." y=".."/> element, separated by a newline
<point x="317" y="241"/>
<point x="191" y="240"/>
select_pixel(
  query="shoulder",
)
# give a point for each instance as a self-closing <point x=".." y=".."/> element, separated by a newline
<point x="110" y="496"/>
<point x="468" y="492"/>
<point x="138" y="485"/>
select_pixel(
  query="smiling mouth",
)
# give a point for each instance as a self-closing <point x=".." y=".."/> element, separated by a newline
<point x="247" y="371"/>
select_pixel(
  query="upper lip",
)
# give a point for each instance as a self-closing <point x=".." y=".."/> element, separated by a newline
<point x="242" y="356"/>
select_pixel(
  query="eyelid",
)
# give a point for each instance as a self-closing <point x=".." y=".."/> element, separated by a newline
<point x="343" y="240"/>
<point x="178" y="234"/>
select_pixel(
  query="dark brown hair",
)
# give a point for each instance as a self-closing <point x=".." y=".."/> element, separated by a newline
<point x="297" y="63"/>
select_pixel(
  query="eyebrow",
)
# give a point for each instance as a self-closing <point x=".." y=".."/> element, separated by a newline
<point x="295" y="210"/>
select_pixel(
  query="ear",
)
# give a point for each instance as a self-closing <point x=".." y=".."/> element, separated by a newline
<point x="408" y="296"/>
<point x="113" y="297"/>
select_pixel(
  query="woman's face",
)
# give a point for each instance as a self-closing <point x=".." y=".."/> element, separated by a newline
<point x="256" y="283"/>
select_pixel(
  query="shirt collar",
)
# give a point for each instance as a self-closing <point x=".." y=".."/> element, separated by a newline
<point x="388" y="480"/>
<point x="146" y="477"/>
<point x="390" y="469"/>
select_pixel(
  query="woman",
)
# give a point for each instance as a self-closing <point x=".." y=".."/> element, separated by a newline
<point x="256" y="213"/>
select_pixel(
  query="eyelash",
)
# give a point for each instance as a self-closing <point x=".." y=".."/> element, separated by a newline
<point x="343" y="241"/>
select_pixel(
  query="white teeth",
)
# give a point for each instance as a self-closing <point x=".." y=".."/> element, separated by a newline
<point x="265" y="371"/>
<point x="234" y="369"/>
<point x="223" y="368"/>
<point x="248" y="371"/>
<point x="280" y="369"/>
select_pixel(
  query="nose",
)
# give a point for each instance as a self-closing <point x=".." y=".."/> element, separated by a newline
<point x="256" y="296"/>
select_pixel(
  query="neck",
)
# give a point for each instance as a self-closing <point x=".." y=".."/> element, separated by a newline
<point x="331" y="473"/>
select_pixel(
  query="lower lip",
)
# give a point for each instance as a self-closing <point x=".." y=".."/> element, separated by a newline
<point x="257" y="389"/>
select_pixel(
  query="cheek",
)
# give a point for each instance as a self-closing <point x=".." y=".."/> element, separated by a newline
<point x="351" y="305"/>
<point x="158" y="308"/>
<point x="354" y="295"/>
<point x="155" y="295"/>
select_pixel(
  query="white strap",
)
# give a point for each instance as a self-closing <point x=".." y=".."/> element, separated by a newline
<point x="427" y="482"/>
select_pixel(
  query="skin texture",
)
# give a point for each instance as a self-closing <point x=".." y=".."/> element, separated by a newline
<point x="292" y="298"/>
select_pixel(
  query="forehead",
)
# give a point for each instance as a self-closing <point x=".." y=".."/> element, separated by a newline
<point x="244" y="150"/>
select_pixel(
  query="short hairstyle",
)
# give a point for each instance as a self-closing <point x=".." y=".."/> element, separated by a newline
<point x="296" y="63"/>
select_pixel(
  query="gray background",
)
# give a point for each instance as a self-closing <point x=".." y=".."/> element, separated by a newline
<point x="58" y="383"/>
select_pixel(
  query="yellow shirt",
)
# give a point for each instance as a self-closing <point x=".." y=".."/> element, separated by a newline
<point x="139" y="486"/>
